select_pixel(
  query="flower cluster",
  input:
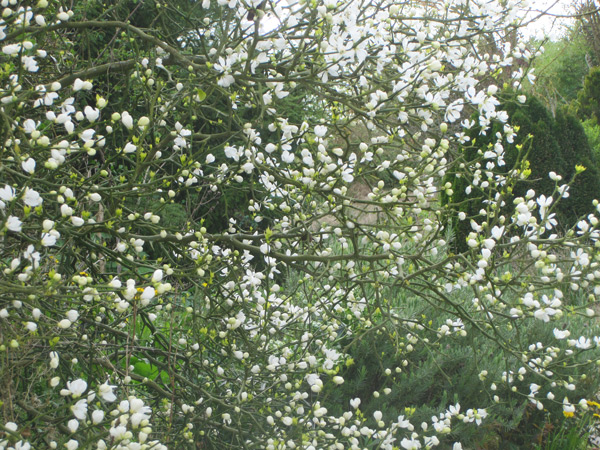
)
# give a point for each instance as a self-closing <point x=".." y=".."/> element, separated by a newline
<point x="197" y="224"/>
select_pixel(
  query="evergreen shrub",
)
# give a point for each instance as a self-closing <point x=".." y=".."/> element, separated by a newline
<point x="421" y="378"/>
<point x="587" y="106"/>
<point x="543" y="144"/>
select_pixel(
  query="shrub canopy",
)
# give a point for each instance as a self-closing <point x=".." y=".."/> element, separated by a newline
<point x="184" y="262"/>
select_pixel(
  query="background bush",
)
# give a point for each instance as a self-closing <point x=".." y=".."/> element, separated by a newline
<point x="544" y="144"/>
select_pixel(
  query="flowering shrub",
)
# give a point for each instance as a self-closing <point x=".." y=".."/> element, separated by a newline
<point x="123" y="328"/>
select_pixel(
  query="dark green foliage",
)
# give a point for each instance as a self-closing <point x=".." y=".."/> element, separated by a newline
<point x="575" y="148"/>
<point x="544" y="144"/>
<point x="545" y="153"/>
<point x="587" y="105"/>
<point x="433" y="376"/>
<point x="592" y="131"/>
<point x="429" y="380"/>
<point x="567" y="436"/>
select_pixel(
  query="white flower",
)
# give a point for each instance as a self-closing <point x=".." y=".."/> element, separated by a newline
<point x="106" y="392"/>
<point x="91" y="114"/>
<point x="127" y="120"/>
<point x="138" y="411"/>
<point x="97" y="416"/>
<point x="182" y="133"/>
<point x="29" y="63"/>
<point x="148" y="293"/>
<point x="129" y="148"/>
<point x="54" y="359"/>
<point x="13" y="224"/>
<point x="355" y="402"/>
<point x="7" y="194"/>
<point x="66" y="210"/>
<point x="74" y="388"/>
<point x="583" y="343"/>
<point x="77" y="221"/>
<point x="72" y="444"/>
<point x="28" y="165"/>
<point x="32" y="198"/>
<point x="29" y="126"/>
<point x="72" y="315"/>
<point x="560" y="334"/>
<point x="568" y="407"/>
<point x="64" y="324"/>
<point x="85" y="85"/>
<point x="410" y="444"/>
<point x="118" y="432"/>
<point x="320" y="412"/>
<point x="320" y="130"/>
<point x="79" y="409"/>
<point x="232" y="152"/>
<point x="63" y="16"/>
<point x="226" y="80"/>
<point x="544" y="314"/>
<point x="287" y="157"/>
<point x="11" y="49"/>
<point x="267" y="98"/>
<point x="87" y="135"/>
<point x="78" y="84"/>
<point x="36" y="313"/>
<point x="157" y="276"/>
<point x="581" y="257"/>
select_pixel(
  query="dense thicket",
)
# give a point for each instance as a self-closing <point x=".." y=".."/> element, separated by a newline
<point x="213" y="215"/>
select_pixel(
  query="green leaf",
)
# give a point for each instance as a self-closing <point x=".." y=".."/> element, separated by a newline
<point x="200" y="95"/>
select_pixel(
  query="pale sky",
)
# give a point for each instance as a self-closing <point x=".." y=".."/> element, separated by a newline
<point x="550" y="26"/>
